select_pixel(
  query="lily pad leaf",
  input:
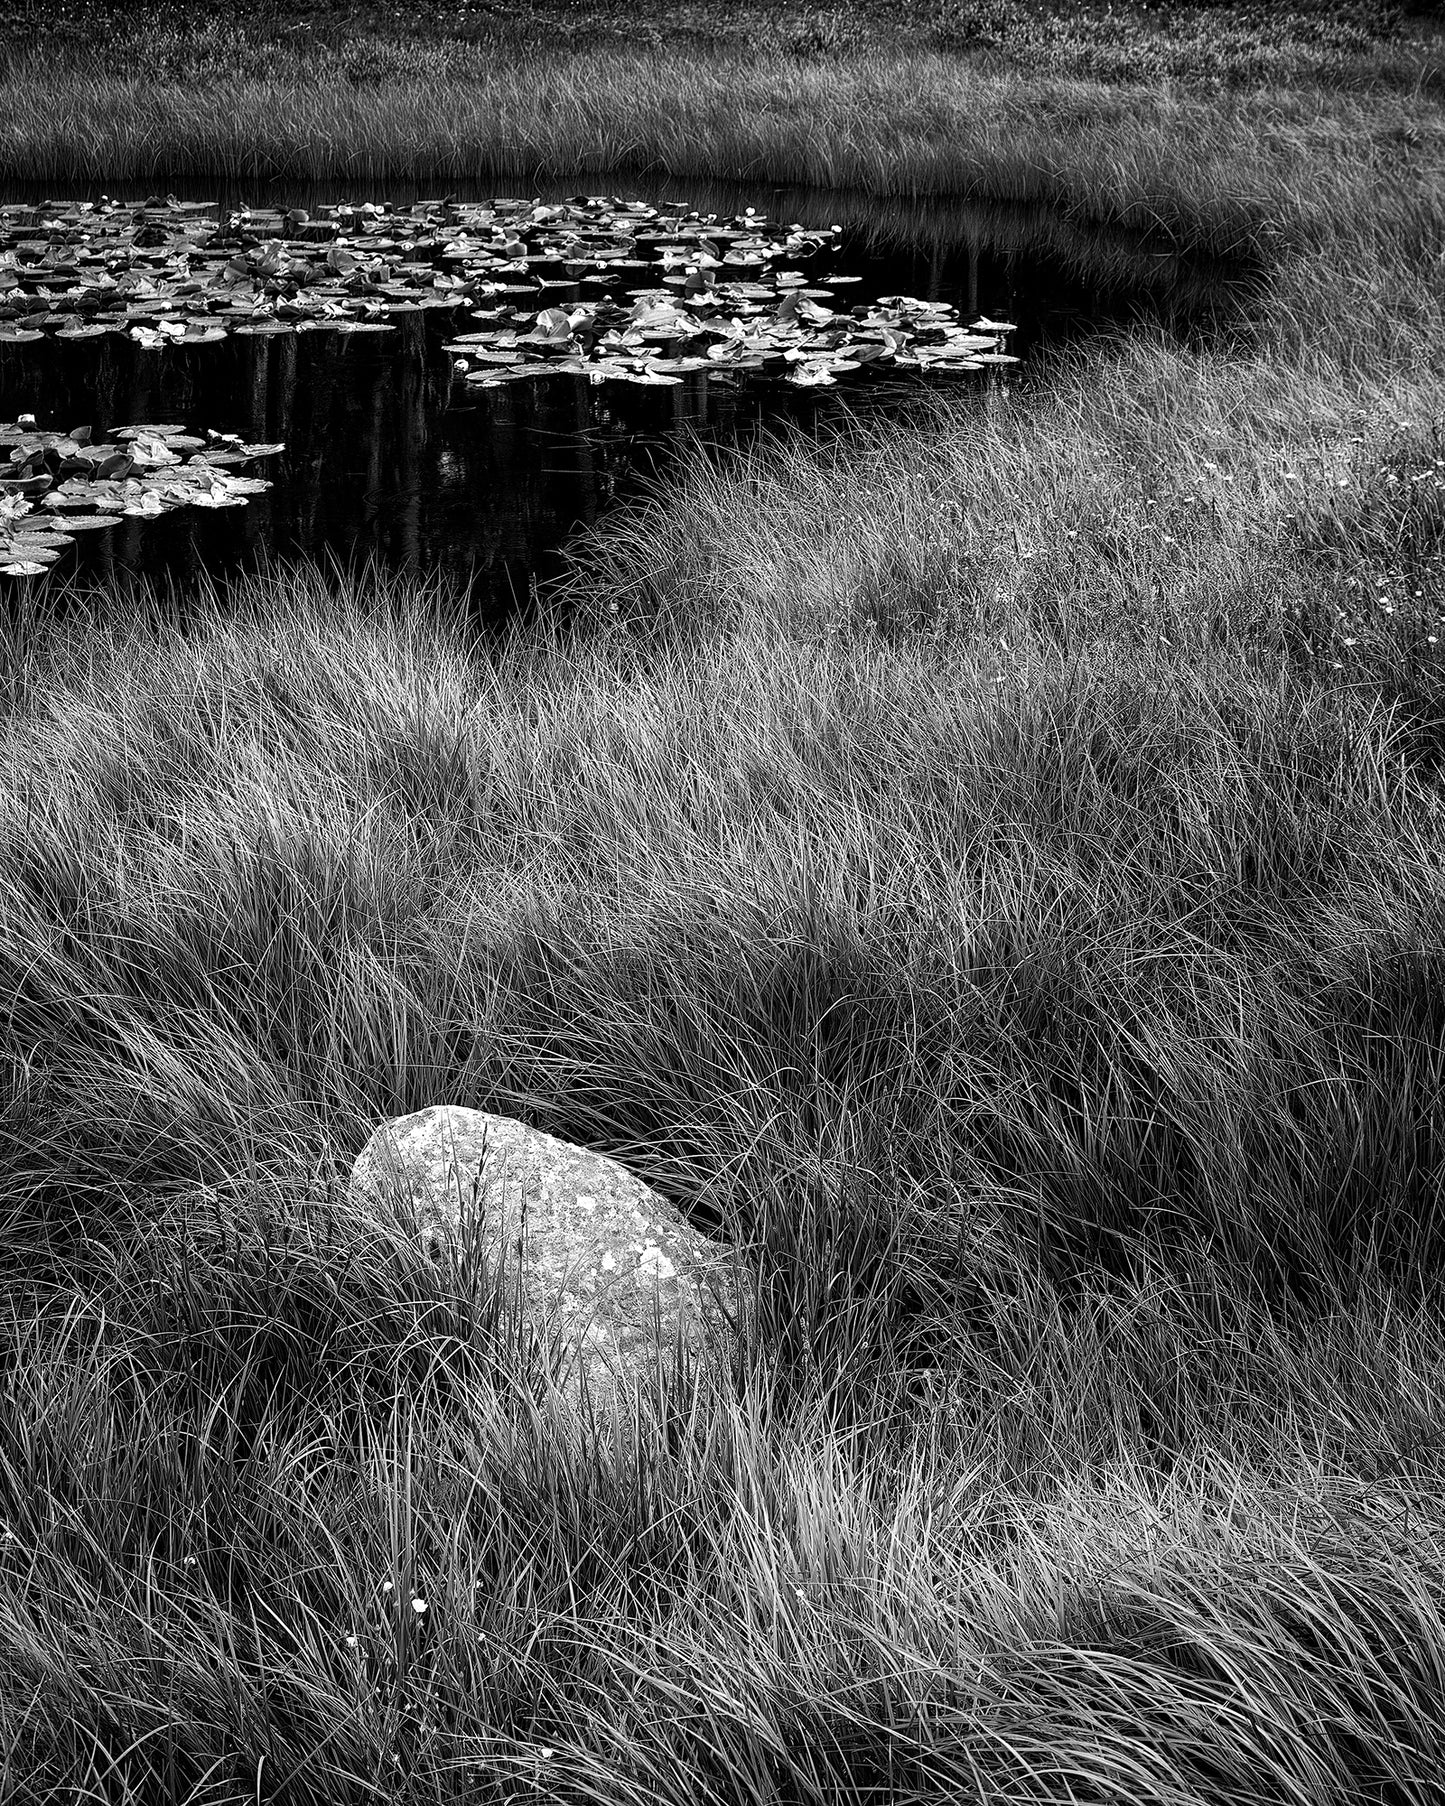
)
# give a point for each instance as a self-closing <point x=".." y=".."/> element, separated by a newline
<point x="149" y="451"/>
<point x="88" y="523"/>
<point x="147" y="502"/>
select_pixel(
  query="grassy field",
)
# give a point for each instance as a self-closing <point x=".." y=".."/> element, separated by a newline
<point x="988" y="867"/>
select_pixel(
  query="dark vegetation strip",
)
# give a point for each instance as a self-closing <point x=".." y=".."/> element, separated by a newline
<point x="1208" y="45"/>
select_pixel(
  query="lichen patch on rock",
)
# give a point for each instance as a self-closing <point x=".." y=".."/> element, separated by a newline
<point x="602" y="1258"/>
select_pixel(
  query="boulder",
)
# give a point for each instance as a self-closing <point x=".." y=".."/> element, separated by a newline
<point x="609" y="1270"/>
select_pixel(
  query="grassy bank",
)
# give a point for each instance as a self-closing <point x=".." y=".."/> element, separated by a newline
<point x="1114" y="117"/>
<point x="1064" y="1055"/>
<point x="988" y="869"/>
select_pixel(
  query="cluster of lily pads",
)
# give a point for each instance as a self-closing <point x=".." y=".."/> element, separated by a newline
<point x="179" y="272"/>
<point x="726" y="328"/>
<point x="55" y="485"/>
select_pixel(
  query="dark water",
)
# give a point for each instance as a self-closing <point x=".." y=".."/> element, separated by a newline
<point x="386" y="457"/>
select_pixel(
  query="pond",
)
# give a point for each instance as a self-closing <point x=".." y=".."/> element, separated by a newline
<point x="390" y="346"/>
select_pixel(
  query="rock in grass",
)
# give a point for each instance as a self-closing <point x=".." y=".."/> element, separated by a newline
<point x="610" y="1273"/>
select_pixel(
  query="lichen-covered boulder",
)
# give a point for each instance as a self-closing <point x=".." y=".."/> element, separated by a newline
<point x="609" y="1270"/>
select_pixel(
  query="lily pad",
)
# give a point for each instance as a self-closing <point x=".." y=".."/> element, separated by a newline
<point x="138" y="473"/>
<point x="88" y="523"/>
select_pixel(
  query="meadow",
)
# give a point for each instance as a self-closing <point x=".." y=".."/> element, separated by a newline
<point x="986" y="865"/>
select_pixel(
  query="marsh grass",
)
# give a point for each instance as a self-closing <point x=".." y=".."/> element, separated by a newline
<point x="1144" y="157"/>
<point x="990" y="872"/>
<point x="1062" y="1054"/>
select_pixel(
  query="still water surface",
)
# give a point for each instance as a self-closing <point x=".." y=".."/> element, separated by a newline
<point x="387" y="457"/>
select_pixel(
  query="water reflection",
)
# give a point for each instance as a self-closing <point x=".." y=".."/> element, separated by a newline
<point x="388" y="458"/>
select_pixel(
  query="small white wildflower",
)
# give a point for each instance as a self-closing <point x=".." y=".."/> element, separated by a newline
<point x="386" y="1586"/>
<point x="351" y="1642"/>
<point x="418" y="1606"/>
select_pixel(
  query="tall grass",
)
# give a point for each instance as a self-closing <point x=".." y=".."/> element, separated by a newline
<point x="1063" y="1055"/>
<point x="1148" y="157"/>
<point x="990" y="873"/>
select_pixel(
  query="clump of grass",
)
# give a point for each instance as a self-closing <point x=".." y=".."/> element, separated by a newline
<point x="1150" y="500"/>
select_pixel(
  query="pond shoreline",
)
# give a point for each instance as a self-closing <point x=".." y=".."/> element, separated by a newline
<point x="1179" y="165"/>
<point x="184" y="311"/>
